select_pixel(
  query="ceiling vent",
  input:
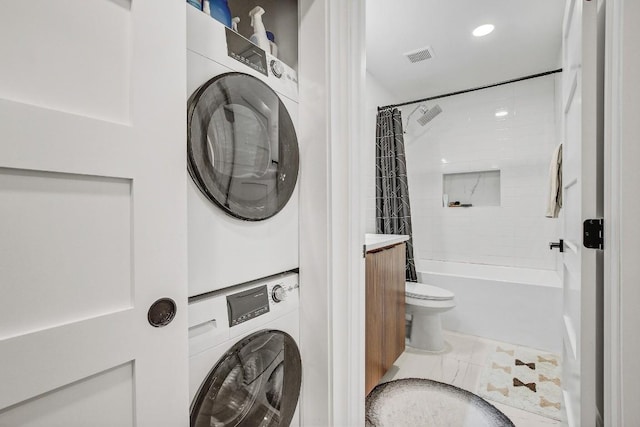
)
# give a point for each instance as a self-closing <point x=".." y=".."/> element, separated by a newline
<point x="421" y="54"/>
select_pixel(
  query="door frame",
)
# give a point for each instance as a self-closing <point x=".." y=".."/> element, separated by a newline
<point x="352" y="71"/>
<point x="611" y="318"/>
<point x="622" y="183"/>
<point x="352" y="409"/>
<point x="614" y="322"/>
<point x="332" y="64"/>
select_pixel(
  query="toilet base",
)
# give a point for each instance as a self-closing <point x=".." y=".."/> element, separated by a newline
<point x="426" y="332"/>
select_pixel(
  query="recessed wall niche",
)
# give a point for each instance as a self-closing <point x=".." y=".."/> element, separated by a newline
<point x="468" y="189"/>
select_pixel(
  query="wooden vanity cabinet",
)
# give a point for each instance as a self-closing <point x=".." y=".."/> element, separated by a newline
<point x="385" y="311"/>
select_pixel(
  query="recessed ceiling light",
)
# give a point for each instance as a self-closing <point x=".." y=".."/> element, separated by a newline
<point x="444" y="161"/>
<point x="483" y="30"/>
<point x="502" y="113"/>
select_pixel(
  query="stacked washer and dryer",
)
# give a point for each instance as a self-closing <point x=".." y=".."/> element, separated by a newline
<point x="243" y="158"/>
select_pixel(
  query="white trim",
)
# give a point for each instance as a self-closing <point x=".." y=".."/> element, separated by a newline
<point x="613" y="408"/>
<point x="315" y="298"/>
<point x="346" y="76"/>
<point x="332" y="72"/>
<point x="357" y="114"/>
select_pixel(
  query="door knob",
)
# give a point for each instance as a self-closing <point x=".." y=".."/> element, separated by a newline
<point x="162" y="312"/>
<point x="557" y="245"/>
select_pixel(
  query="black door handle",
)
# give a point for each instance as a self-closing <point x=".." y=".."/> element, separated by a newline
<point x="558" y="245"/>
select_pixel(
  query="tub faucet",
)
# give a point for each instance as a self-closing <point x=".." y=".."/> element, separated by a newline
<point x="559" y="245"/>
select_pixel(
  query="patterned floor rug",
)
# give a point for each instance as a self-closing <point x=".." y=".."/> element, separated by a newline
<point x="422" y="402"/>
<point x="525" y="379"/>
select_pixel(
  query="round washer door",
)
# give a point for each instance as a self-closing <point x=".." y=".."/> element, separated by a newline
<point x="242" y="146"/>
<point x="255" y="384"/>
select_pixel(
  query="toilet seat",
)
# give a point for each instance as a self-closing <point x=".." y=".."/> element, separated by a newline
<point x="422" y="291"/>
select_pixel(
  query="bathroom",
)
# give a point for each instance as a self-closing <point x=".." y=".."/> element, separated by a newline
<point x="95" y="194"/>
<point x="479" y="134"/>
<point x="510" y="232"/>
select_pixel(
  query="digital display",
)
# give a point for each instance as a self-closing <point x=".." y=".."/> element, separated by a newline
<point x="247" y="305"/>
<point x="242" y="50"/>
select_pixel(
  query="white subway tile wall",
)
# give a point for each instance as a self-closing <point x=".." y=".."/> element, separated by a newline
<point x="470" y="136"/>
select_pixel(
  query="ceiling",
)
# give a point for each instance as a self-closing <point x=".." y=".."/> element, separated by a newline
<point x="527" y="40"/>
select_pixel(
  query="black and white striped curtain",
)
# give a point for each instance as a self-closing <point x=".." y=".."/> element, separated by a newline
<point x="393" y="213"/>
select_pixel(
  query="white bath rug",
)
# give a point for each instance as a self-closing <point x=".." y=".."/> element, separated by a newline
<point x="422" y="402"/>
<point x="524" y="378"/>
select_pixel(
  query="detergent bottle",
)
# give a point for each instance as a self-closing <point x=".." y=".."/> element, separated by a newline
<point x="219" y="10"/>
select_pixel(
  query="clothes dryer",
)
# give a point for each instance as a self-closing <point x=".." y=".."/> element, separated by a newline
<point x="244" y="363"/>
<point x="243" y="159"/>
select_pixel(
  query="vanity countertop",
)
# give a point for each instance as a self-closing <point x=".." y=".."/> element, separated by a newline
<point x="373" y="242"/>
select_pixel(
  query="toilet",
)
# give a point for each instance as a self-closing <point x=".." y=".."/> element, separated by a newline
<point x="425" y="303"/>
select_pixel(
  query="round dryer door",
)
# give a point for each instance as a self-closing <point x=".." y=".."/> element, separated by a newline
<point x="255" y="384"/>
<point x="242" y="146"/>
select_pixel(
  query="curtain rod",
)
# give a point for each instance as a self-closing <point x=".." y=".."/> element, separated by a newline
<point x="533" y="76"/>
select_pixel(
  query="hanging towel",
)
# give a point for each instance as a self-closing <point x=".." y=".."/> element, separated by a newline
<point x="555" y="184"/>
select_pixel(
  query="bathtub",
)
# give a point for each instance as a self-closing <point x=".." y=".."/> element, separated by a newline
<point x="515" y="305"/>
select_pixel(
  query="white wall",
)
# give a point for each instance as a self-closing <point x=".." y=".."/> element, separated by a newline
<point x="377" y="95"/>
<point x="469" y="137"/>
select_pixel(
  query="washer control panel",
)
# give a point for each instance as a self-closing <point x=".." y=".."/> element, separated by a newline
<point x="278" y="294"/>
<point x="265" y="299"/>
<point x="276" y="68"/>
<point x="280" y="290"/>
<point x="247" y="305"/>
<point x="283" y="77"/>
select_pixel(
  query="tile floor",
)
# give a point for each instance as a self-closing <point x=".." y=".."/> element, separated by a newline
<point x="460" y="365"/>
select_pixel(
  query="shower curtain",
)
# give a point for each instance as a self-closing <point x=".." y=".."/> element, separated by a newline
<point x="393" y="214"/>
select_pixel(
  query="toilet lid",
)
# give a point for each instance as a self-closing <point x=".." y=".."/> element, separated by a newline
<point x="427" y="292"/>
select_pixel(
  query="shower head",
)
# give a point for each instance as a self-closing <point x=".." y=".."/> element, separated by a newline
<point x="429" y="115"/>
<point x="426" y="115"/>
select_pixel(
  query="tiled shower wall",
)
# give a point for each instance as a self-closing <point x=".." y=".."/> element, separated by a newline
<point x="468" y="137"/>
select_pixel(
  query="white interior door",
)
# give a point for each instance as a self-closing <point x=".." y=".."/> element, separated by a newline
<point x="92" y="213"/>
<point x="582" y="200"/>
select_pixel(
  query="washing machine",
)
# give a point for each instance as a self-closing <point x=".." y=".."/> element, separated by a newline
<point x="244" y="362"/>
<point x="243" y="158"/>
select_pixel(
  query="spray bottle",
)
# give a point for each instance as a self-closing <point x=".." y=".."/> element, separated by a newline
<point x="259" y="36"/>
<point x="234" y="24"/>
